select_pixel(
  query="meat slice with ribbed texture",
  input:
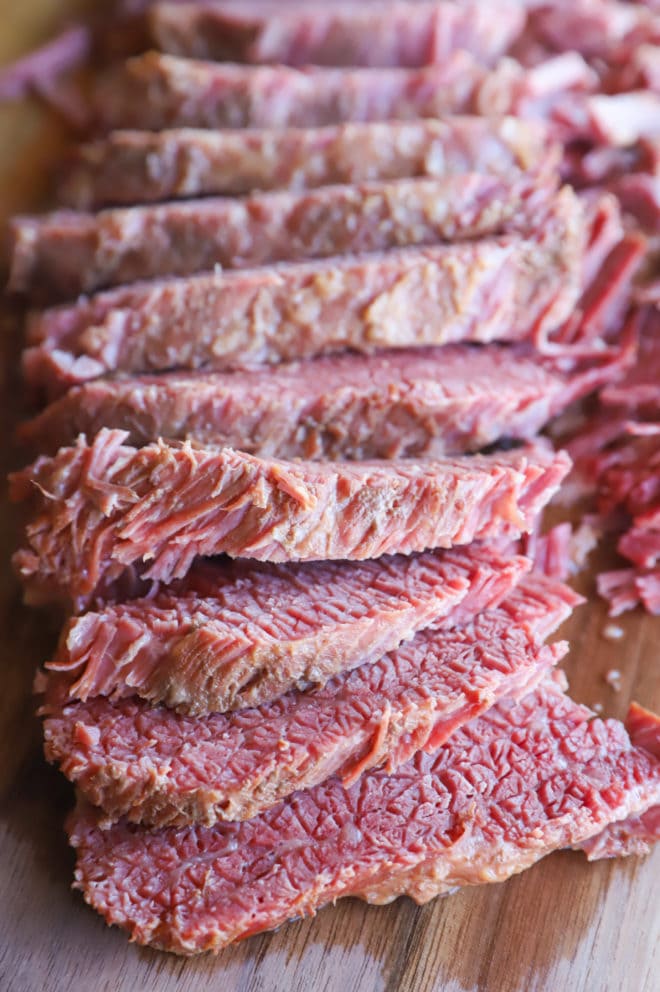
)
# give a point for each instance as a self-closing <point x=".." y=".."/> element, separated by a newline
<point x="387" y="34"/>
<point x="516" y="287"/>
<point x="156" y="91"/>
<point x="231" y="637"/>
<point x="523" y="780"/>
<point x="138" y="167"/>
<point x="420" y="402"/>
<point x="162" y="769"/>
<point x="99" y="511"/>
<point x="64" y="254"/>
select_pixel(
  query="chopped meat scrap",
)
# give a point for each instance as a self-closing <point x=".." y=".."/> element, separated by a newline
<point x="162" y="769"/>
<point x="100" y="510"/>
<point x="442" y="820"/>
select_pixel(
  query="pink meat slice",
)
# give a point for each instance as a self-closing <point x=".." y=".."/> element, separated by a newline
<point x="156" y="91"/>
<point x="226" y="639"/>
<point x="423" y="402"/>
<point x="162" y="769"/>
<point x="636" y="834"/>
<point x="412" y="403"/>
<point x="130" y="167"/>
<point x="387" y="34"/>
<point x="523" y="780"/>
<point x="101" y="510"/>
<point x="514" y="287"/>
<point x="64" y="254"/>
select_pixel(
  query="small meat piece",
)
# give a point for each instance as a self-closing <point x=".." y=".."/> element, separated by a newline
<point x="523" y="780"/>
<point x="421" y="402"/>
<point x="231" y="638"/>
<point x="64" y="254"/>
<point x="515" y="287"/>
<point x="638" y="391"/>
<point x="130" y="167"/>
<point x="100" y="510"/>
<point x="157" y="91"/>
<point x="386" y="34"/>
<point x="161" y="769"/>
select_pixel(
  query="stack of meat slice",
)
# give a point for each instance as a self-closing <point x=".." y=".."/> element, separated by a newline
<point x="304" y="657"/>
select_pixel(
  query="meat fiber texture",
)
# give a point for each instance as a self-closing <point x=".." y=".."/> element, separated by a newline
<point x="64" y="254"/>
<point x="389" y="34"/>
<point x="230" y="638"/>
<point x="101" y="511"/>
<point x="422" y="402"/>
<point x="523" y="780"/>
<point x="514" y="287"/>
<point x="129" y="167"/>
<point x="162" y="769"/>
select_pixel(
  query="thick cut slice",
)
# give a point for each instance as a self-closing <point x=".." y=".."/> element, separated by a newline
<point x="101" y="510"/>
<point x="521" y="781"/>
<point x="515" y="287"/>
<point x="138" y="167"/>
<point x="65" y="254"/>
<point x="420" y="402"/>
<point x="162" y="769"/>
<point x="157" y="91"/>
<point x="229" y="638"/>
<point x="386" y="34"/>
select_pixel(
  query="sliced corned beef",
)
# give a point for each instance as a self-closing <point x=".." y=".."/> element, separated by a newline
<point x="636" y="834"/>
<point x="138" y="167"/>
<point x="228" y="638"/>
<point x="387" y="34"/>
<point x="102" y="510"/>
<point x="157" y="91"/>
<point x="64" y="254"/>
<point x="600" y="29"/>
<point x="507" y="789"/>
<point x="422" y="402"/>
<point x="162" y="769"/>
<point x="515" y="287"/>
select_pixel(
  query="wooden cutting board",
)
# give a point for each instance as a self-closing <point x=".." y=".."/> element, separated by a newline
<point x="563" y="925"/>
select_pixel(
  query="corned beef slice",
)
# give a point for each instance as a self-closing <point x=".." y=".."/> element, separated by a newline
<point x="65" y="254"/>
<point x="514" y="287"/>
<point x="157" y="91"/>
<point x="393" y="404"/>
<point x="507" y="789"/>
<point x="386" y="34"/>
<point x="101" y="510"/>
<point x="227" y="639"/>
<point x="130" y="167"/>
<point x="163" y="769"/>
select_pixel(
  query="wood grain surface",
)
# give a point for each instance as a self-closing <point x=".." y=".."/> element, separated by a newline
<point x="564" y="925"/>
